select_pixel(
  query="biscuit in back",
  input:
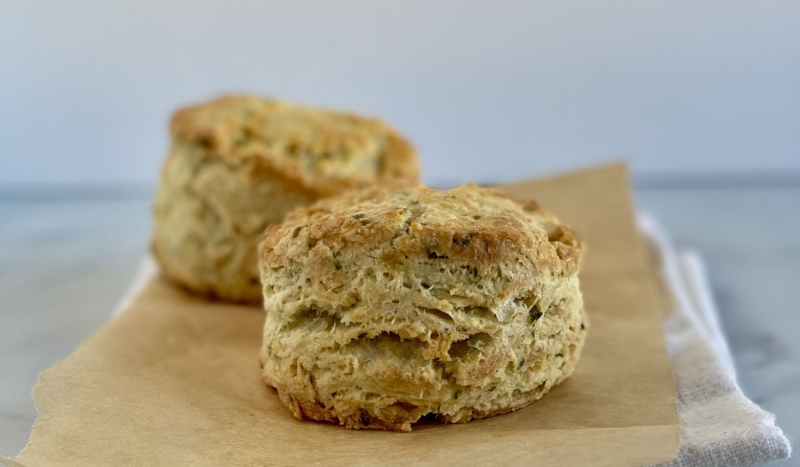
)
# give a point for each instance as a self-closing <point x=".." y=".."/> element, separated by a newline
<point x="389" y="305"/>
<point x="238" y="164"/>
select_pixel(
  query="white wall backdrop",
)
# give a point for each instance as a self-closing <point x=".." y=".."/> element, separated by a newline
<point x="491" y="91"/>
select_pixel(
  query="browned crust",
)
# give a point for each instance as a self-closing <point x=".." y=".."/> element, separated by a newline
<point x="222" y="123"/>
<point x="389" y="420"/>
<point x="462" y="303"/>
<point x="401" y="417"/>
<point x="362" y="220"/>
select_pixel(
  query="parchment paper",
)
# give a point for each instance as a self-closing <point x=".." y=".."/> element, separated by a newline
<point x="174" y="380"/>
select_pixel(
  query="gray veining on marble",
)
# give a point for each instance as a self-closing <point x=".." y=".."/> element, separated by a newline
<point x="63" y="265"/>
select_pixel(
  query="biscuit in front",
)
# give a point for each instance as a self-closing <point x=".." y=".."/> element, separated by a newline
<point x="389" y="305"/>
<point x="238" y="164"/>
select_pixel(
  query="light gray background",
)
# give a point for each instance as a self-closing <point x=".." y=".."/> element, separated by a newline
<point x="489" y="91"/>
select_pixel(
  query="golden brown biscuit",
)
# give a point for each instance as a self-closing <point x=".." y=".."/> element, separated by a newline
<point x="387" y="305"/>
<point x="238" y="164"/>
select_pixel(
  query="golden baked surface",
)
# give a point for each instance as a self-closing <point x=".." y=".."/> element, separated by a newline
<point x="387" y="305"/>
<point x="238" y="164"/>
<point x="322" y="151"/>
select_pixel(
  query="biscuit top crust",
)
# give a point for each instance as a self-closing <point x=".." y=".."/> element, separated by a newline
<point x="322" y="151"/>
<point x="469" y="225"/>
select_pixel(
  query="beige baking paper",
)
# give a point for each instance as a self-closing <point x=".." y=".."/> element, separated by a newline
<point x="175" y="380"/>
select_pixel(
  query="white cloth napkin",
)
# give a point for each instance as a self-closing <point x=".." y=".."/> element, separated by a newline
<point x="720" y="426"/>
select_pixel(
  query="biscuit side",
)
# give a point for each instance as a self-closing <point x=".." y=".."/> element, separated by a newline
<point x="209" y="217"/>
<point x="395" y="305"/>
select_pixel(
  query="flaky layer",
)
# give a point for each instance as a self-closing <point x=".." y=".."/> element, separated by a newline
<point x="239" y="164"/>
<point x="388" y="305"/>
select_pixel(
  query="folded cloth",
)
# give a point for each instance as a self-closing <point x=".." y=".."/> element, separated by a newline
<point x="719" y="424"/>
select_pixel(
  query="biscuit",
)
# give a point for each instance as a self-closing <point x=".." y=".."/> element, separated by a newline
<point x="238" y="164"/>
<point x="390" y="305"/>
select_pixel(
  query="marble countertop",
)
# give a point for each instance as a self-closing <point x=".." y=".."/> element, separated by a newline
<point x="64" y="264"/>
